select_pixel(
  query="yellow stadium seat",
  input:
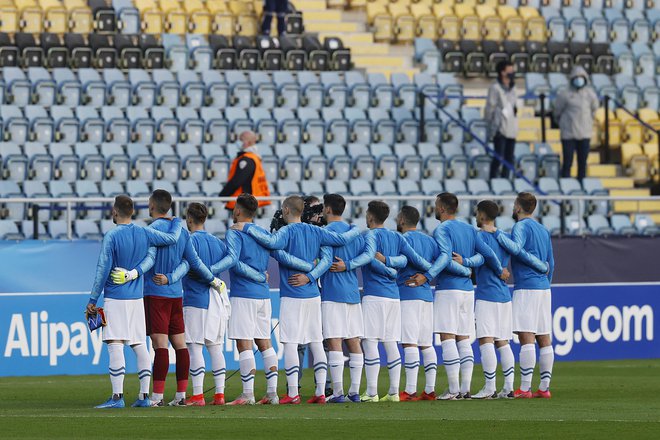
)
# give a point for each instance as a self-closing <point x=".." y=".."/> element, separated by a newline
<point x="201" y="20"/>
<point x="247" y="24"/>
<point x="31" y="16"/>
<point x="651" y="150"/>
<point x="80" y="16"/>
<point x="527" y="12"/>
<point x="379" y="16"/>
<point x="215" y="6"/>
<point x="450" y="28"/>
<point x="404" y="23"/>
<point x="491" y="3"/>
<point x="493" y="28"/>
<point x="628" y="151"/>
<point x="506" y="12"/>
<point x="471" y="28"/>
<point x="470" y="3"/>
<point x="9" y="19"/>
<point x="427" y="24"/>
<point x="463" y="10"/>
<point x="514" y="29"/>
<point x="176" y="19"/>
<point x="152" y="18"/>
<point x="442" y="9"/>
<point x="484" y="11"/>
<point x="536" y="29"/>
<point x="55" y="16"/>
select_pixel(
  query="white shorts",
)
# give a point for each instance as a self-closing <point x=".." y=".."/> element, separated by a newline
<point x="125" y="321"/>
<point x="202" y="330"/>
<point x="342" y="320"/>
<point x="300" y="320"/>
<point x="453" y="312"/>
<point x="382" y="318"/>
<point x="250" y="318"/>
<point x="532" y="311"/>
<point x="417" y="323"/>
<point x="493" y="320"/>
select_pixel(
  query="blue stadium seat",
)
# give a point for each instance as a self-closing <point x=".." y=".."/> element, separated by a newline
<point x="360" y="126"/>
<point x="87" y="230"/>
<point x="290" y="128"/>
<point x="622" y="226"/>
<point x="15" y="126"/>
<point x="358" y="90"/>
<point x="264" y="125"/>
<point x="93" y="87"/>
<point x="111" y="188"/>
<point x="92" y="127"/>
<point x="69" y="89"/>
<point x="86" y="188"/>
<point x="118" y="164"/>
<point x="217" y="128"/>
<point x="144" y="164"/>
<point x="552" y="224"/>
<point x="18" y="89"/>
<point x="41" y="163"/>
<point x="411" y="165"/>
<point x="67" y="164"/>
<point x="337" y="128"/>
<point x="118" y="89"/>
<point x="311" y="90"/>
<point x="9" y="231"/>
<point x="382" y="92"/>
<point x="504" y="223"/>
<point x="91" y="162"/>
<point x="143" y="88"/>
<point x="645" y="225"/>
<point x="263" y="89"/>
<point x="335" y="90"/>
<point x="192" y="89"/>
<point x="384" y="128"/>
<point x="13" y="211"/>
<point x="44" y="89"/>
<point x="118" y="128"/>
<point x="169" y="91"/>
<point x="127" y="16"/>
<point x="169" y="164"/>
<point x="599" y="225"/>
<point x="176" y="52"/>
<point x="200" y="53"/>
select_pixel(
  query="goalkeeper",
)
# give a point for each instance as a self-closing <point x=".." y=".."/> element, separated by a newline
<point x="125" y="246"/>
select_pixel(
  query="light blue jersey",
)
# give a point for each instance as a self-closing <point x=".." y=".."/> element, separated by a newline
<point x="490" y="287"/>
<point x="459" y="237"/>
<point x="210" y="250"/>
<point x="167" y="260"/>
<point x="247" y="251"/>
<point x="427" y="248"/>
<point x="528" y="236"/>
<point x="343" y="287"/>
<point x="127" y="246"/>
<point x="307" y="243"/>
<point x="398" y="254"/>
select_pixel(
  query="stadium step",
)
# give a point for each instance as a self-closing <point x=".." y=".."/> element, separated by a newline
<point x="367" y="61"/>
<point x="616" y="182"/>
<point x="604" y="170"/>
<point x="632" y="206"/>
<point x="337" y="27"/>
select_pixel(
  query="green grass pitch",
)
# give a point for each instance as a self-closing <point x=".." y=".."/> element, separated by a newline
<point x="609" y="400"/>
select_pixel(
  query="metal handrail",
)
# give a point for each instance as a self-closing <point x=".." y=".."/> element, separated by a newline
<point x="36" y="203"/>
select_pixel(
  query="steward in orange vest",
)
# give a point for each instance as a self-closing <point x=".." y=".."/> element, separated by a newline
<point x="246" y="175"/>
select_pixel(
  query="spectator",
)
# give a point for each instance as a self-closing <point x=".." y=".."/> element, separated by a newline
<point x="246" y="174"/>
<point x="500" y="115"/>
<point x="271" y="8"/>
<point x="574" y="110"/>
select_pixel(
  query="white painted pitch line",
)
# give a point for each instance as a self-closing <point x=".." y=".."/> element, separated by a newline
<point x="236" y="417"/>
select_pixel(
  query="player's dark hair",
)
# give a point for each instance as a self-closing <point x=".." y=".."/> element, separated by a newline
<point x="409" y="215"/>
<point x="311" y="200"/>
<point x="248" y="204"/>
<point x="295" y="203"/>
<point x="502" y="65"/>
<point x="162" y="200"/>
<point x="449" y="201"/>
<point x="488" y="208"/>
<point x="197" y="213"/>
<point x="527" y="202"/>
<point x="378" y="210"/>
<point x="335" y="202"/>
<point x="124" y="206"/>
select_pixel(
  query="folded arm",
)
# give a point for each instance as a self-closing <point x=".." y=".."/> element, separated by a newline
<point x="513" y="247"/>
<point x="275" y="241"/>
<point x="158" y="238"/>
<point x="180" y="271"/>
<point x="103" y="268"/>
<point x="196" y="264"/>
<point x="148" y="261"/>
<point x="489" y="256"/>
<point x="444" y="256"/>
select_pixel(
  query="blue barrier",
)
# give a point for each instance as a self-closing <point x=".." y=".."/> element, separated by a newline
<point x="43" y="291"/>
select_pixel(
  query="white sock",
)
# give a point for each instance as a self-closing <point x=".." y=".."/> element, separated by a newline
<point x="508" y="366"/>
<point x="393" y="366"/>
<point x="320" y="367"/>
<point x="219" y="366"/>
<point x="197" y="368"/>
<point x="527" y="364"/>
<point x="355" y="365"/>
<point x="467" y="364"/>
<point x="430" y="368"/>
<point x="489" y="364"/>
<point x="291" y="367"/>
<point x="143" y="367"/>
<point x="411" y="355"/>
<point x="336" y="364"/>
<point x="247" y="366"/>
<point x="371" y="365"/>
<point x="452" y="364"/>
<point x="117" y="367"/>
<point x="546" y="360"/>
<point x="270" y="368"/>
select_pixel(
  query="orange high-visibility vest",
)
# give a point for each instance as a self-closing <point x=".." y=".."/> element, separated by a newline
<point x="259" y="183"/>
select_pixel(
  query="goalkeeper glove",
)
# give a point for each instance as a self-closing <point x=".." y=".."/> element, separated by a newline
<point x="121" y="276"/>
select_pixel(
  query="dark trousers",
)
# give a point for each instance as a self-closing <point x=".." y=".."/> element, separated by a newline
<point x="570" y="147"/>
<point x="504" y="147"/>
<point x="272" y="8"/>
